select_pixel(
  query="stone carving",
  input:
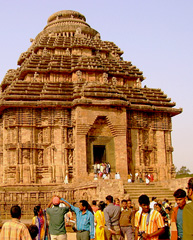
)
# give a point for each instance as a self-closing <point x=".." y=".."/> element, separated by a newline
<point x="105" y="78"/>
<point x="97" y="36"/>
<point x="70" y="136"/>
<point x="45" y="52"/>
<point x="40" y="157"/>
<point x="98" y="53"/>
<point x="11" y="71"/>
<point x="138" y="83"/>
<point x="114" y="81"/>
<point x="40" y="136"/>
<point x="35" y="77"/>
<point x="67" y="52"/>
<point x="79" y="75"/>
<point x="26" y="156"/>
<point x="78" y="31"/>
<point x="70" y="159"/>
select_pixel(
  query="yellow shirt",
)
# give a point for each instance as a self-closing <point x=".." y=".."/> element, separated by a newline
<point x="14" y="230"/>
<point x="155" y="222"/>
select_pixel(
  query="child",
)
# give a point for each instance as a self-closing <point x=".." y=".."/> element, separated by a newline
<point x="33" y="230"/>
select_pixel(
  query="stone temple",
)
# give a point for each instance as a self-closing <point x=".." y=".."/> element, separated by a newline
<point x="73" y="101"/>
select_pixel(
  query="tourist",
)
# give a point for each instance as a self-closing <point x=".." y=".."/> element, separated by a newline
<point x="149" y="223"/>
<point x="117" y="202"/>
<point x="166" y="204"/>
<point x="147" y="179"/>
<point x="57" y="224"/>
<point x="94" y="206"/>
<point x="168" y="212"/>
<point x="126" y="220"/>
<point x="112" y="215"/>
<point x="153" y="203"/>
<point x="151" y="177"/>
<point x="140" y="177"/>
<point x="100" y="222"/>
<point x="166" y="234"/>
<point x="69" y="220"/>
<point x="117" y="175"/>
<point x="176" y="218"/>
<point x="98" y="167"/>
<point x="105" y="176"/>
<point x="108" y="168"/>
<point x="102" y="167"/>
<point x="66" y="179"/>
<point x="136" y="177"/>
<point x="40" y="221"/>
<point x="188" y="213"/>
<point x="33" y="230"/>
<point x="129" y="205"/>
<point x="84" y="220"/>
<point x="129" y="178"/>
<point x="14" y="229"/>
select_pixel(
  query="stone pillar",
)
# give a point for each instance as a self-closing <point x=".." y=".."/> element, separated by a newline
<point x="135" y="148"/>
<point x="121" y="156"/>
<point x="80" y="156"/>
<point x="161" y="155"/>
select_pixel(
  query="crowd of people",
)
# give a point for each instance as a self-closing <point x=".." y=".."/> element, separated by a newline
<point x="111" y="219"/>
<point x="102" y="170"/>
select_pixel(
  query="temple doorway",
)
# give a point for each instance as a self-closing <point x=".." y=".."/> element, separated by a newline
<point x="99" y="154"/>
<point x="100" y="146"/>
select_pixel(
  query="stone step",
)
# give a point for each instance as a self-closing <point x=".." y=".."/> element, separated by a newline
<point x="148" y="189"/>
<point x="152" y="193"/>
<point x="134" y="190"/>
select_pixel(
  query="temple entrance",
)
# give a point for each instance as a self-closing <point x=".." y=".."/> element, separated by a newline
<point x="100" y="144"/>
<point x="99" y="154"/>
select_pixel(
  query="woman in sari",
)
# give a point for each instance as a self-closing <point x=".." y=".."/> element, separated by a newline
<point x="100" y="222"/>
<point x="40" y="221"/>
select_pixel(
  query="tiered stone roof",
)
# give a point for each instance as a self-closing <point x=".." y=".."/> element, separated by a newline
<point x="68" y="64"/>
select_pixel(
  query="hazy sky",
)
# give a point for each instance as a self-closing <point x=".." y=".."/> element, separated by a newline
<point x="155" y="35"/>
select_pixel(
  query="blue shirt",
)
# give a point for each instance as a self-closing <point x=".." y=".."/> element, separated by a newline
<point x="180" y="222"/>
<point x="83" y="221"/>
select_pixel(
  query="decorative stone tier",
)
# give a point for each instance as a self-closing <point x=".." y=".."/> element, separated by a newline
<point x="68" y="94"/>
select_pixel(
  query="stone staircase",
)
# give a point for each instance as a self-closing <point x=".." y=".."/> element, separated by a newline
<point x="134" y="190"/>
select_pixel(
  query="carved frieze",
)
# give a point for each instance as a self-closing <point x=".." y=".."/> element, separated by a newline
<point x="158" y="121"/>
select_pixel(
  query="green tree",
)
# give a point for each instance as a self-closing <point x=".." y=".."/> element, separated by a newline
<point x="183" y="172"/>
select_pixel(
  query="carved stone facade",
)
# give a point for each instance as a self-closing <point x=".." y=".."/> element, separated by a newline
<point x="72" y="92"/>
<point x="29" y="196"/>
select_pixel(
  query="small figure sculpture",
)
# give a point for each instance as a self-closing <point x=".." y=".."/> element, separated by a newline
<point x="105" y="78"/>
<point x="114" y="81"/>
<point x="79" y="75"/>
<point x="78" y="31"/>
<point x="36" y="75"/>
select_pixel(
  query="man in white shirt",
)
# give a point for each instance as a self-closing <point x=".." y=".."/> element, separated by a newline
<point x="153" y="203"/>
